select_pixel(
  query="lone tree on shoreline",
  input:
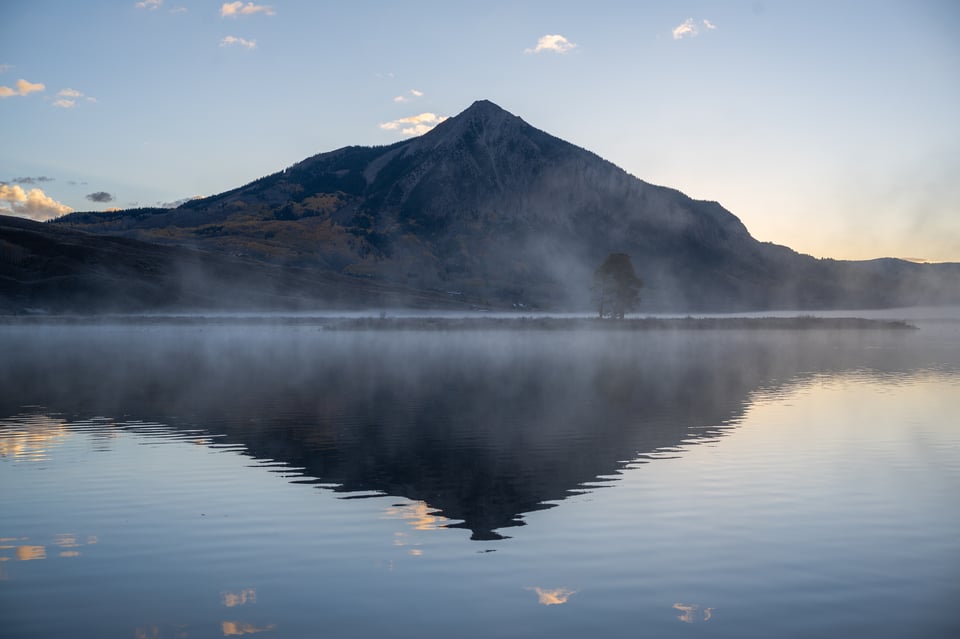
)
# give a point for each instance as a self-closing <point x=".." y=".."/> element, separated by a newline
<point x="617" y="286"/>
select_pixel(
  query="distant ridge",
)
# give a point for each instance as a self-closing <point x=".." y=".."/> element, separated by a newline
<point x="490" y="209"/>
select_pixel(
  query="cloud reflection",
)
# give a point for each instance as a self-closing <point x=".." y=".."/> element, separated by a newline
<point x="553" y="597"/>
<point x="242" y="598"/>
<point x="70" y="542"/>
<point x="419" y="515"/>
<point x="30" y="437"/>
<point x="689" y="612"/>
<point x="31" y="553"/>
<point x="237" y="628"/>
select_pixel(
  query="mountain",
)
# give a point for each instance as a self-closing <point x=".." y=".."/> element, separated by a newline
<point x="489" y="209"/>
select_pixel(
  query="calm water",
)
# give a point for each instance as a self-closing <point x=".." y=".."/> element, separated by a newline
<point x="208" y="481"/>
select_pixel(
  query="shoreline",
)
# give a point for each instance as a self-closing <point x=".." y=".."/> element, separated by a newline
<point x="388" y="323"/>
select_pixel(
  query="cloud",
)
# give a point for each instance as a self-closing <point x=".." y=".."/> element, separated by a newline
<point x="68" y="98"/>
<point x="31" y="180"/>
<point x="99" y="196"/>
<point x="403" y="98"/>
<point x="153" y="5"/>
<point x="554" y="43"/>
<point x="179" y="10"/>
<point x="232" y="40"/>
<point x="33" y="204"/>
<point x="687" y="28"/>
<point x="233" y="9"/>
<point x="414" y="124"/>
<point x="23" y="88"/>
<point x="5" y="67"/>
<point x="690" y="29"/>
<point x="177" y="203"/>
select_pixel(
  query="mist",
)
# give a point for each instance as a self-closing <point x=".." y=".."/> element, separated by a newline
<point x="485" y="426"/>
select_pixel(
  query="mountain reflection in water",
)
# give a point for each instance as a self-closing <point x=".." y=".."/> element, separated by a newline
<point x="478" y="429"/>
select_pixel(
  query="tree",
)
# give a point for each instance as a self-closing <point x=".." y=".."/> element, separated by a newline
<point x="617" y="286"/>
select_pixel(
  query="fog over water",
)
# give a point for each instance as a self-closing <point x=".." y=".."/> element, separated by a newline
<point x="678" y="474"/>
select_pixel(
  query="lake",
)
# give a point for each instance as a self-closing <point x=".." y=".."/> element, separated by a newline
<point x="166" y="479"/>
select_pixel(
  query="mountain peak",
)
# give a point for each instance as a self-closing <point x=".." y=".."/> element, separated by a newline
<point x="485" y="107"/>
<point x="486" y="113"/>
<point x="482" y="120"/>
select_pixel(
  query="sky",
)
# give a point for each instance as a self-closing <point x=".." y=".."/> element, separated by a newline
<point x="829" y="126"/>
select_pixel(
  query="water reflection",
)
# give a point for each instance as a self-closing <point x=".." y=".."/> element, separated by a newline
<point x="242" y="598"/>
<point x="158" y="632"/>
<point x="29" y="436"/>
<point x="554" y="597"/>
<point x="692" y="613"/>
<point x="31" y="553"/>
<point x="15" y="548"/>
<point x="237" y="628"/>
<point x="475" y="430"/>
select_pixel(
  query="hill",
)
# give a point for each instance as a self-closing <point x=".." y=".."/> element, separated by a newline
<point x="50" y="268"/>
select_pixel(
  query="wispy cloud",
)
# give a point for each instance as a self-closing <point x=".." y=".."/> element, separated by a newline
<point x="242" y="42"/>
<point x="176" y="203"/>
<point x="179" y="10"/>
<point x="22" y="88"/>
<point x="33" y="204"/>
<point x="403" y="97"/>
<point x="691" y="29"/>
<point x="68" y="98"/>
<point x="152" y="5"/>
<point x="5" y="67"/>
<point x="99" y="196"/>
<point x="31" y="180"/>
<point x="552" y="43"/>
<point x="414" y="124"/>
<point x="234" y="9"/>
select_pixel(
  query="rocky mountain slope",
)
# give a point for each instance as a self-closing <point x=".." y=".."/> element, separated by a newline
<point x="489" y="209"/>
